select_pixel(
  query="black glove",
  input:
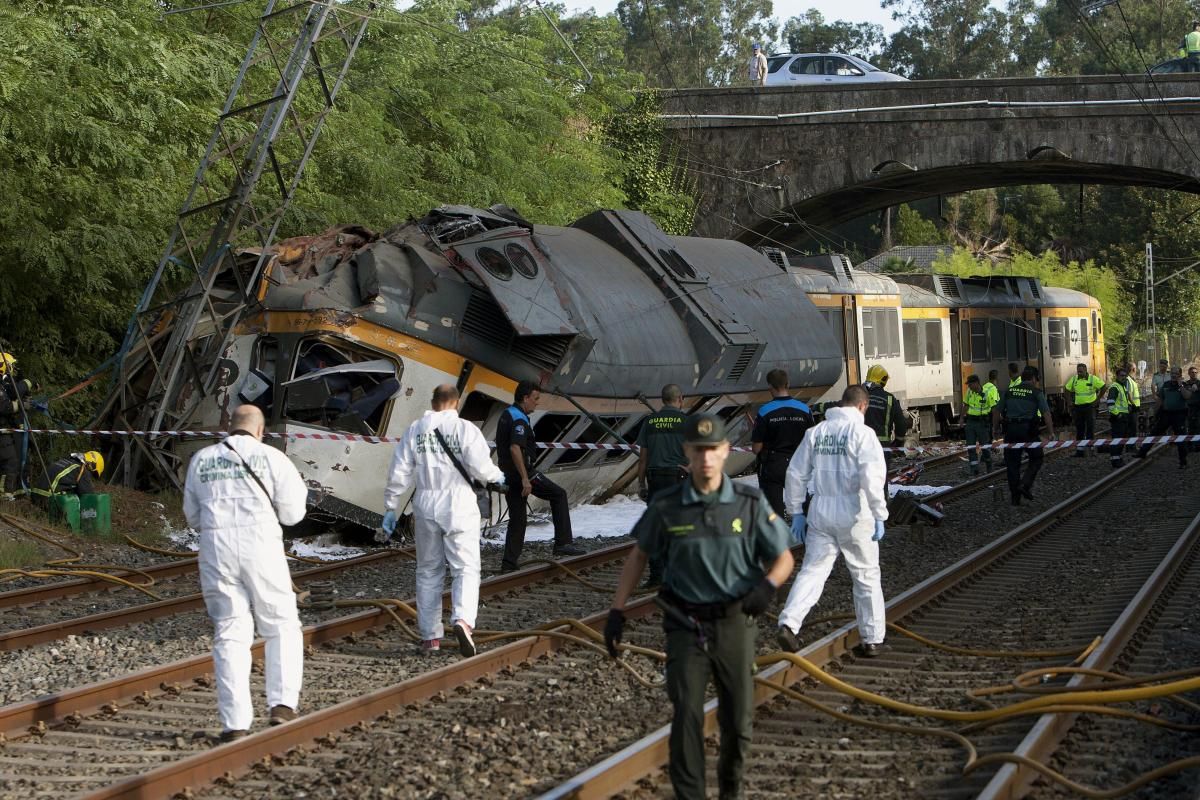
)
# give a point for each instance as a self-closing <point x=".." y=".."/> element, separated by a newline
<point x="644" y="494"/>
<point x="759" y="598"/>
<point x="499" y="488"/>
<point x="613" y="630"/>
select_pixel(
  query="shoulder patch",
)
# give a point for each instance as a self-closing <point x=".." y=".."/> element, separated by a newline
<point x="518" y="428"/>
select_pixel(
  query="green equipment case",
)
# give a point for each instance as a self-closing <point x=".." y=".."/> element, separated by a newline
<point x="95" y="513"/>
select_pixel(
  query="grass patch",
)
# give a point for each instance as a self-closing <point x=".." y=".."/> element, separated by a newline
<point x="15" y="554"/>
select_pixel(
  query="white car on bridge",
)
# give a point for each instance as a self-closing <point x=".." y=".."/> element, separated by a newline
<point x="821" y="69"/>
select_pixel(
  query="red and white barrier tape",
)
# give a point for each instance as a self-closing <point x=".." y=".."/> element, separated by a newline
<point x="351" y="437"/>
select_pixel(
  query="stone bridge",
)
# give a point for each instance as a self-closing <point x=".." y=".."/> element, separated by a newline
<point x="772" y="162"/>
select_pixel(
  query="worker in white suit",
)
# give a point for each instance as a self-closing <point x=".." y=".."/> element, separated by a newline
<point x="841" y="463"/>
<point x="446" y="516"/>
<point x="237" y="494"/>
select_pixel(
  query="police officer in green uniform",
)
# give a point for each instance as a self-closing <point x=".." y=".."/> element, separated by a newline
<point x="1019" y="409"/>
<point x="725" y="552"/>
<point x="1122" y="416"/>
<point x="978" y="429"/>
<point x="661" y="463"/>
<point x="1082" y="392"/>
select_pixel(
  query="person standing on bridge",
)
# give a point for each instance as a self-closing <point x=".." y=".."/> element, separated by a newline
<point x="237" y="494"/>
<point x="778" y="430"/>
<point x="758" y="66"/>
<point x="1192" y="43"/>
<point x="661" y="462"/>
<point x="725" y="554"/>
<point x="440" y="455"/>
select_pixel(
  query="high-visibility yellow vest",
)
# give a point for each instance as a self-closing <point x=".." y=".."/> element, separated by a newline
<point x="992" y="394"/>
<point x="1014" y="381"/>
<point x="1085" y="389"/>
<point x="1121" y="404"/>
<point x="1192" y="42"/>
<point x="1134" y="393"/>
<point x="977" y="403"/>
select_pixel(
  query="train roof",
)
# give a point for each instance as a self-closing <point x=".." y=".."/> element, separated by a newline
<point x="995" y="291"/>
<point x="831" y="273"/>
<point x="609" y="306"/>
<point x="916" y="297"/>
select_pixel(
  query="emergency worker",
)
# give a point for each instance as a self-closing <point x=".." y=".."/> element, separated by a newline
<point x="1014" y="374"/>
<point x="1156" y="381"/>
<point x="841" y="464"/>
<point x="725" y="554"/>
<point x="778" y="430"/>
<point x="237" y="494"/>
<point x="69" y="475"/>
<point x="1082" y="391"/>
<point x="979" y="424"/>
<point x="1173" y="398"/>
<point x="990" y="391"/>
<point x="1019" y="408"/>
<point x="1192" y="384"/>
<point x="433" y="455"/>
<point x="1121" y="415"/>
<point x="1191" y="43"/>
<point x="1134" y="392"/>
<point x="661" y="462"/>
<point x="13" y="391"/>
<point x="884" y="413"/>
<point x="516" y="450"/>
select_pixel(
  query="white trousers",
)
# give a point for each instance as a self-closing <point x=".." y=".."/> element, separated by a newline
<point x="862" y="559"/>
<point x="245" y="580"/>
<point x="437" y="546"/>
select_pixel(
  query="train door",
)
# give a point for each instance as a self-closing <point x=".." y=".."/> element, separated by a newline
<point x="956" y="357"/>
<point x="850" y="333"/>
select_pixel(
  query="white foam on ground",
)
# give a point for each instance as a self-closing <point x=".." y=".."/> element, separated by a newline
<point x="614" y="518"/>
<point x="324" y="547"/>
<point x="920" y="491"/>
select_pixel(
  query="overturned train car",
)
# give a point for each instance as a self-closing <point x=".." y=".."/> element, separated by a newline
<point x="355" y="329"/>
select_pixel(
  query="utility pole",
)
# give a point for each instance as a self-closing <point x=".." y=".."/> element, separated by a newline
<point x="1151" y="323"/>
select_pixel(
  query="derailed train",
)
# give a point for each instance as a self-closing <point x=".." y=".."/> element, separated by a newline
<point x="356" y="328"/>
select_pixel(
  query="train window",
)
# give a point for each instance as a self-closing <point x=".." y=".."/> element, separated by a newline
<point x="892" y="323"/>
<point x="1033" y="343"/>
<point x="592" y="434"/>
<point x="933" y="341"/>
<point x="1098" y="324"/>
<point x="1083" y="337"/>
<point x="478" y="407"/>
<point x="834" y="317"/>
<point x="495" y="263"/>
<point x="979" y="340"/>
<point x="522" y="260"/>
<point x="964" y="339"/>
<point x="1057" y="328"/>
<point x="868" y="328"/>
<point x="1012" y="339"/>
<point x="913" y="354"/>
<point x="998" y="341"/>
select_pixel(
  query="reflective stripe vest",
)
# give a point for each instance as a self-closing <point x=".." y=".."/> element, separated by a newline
<point x="1192" y="40"/>
<point x="54" y="483"/>
<point x="1119" y="405"/>
<point x="1014" y="381"/>
<point x="978" y="404"/>
<point x="1085" y="389"/>
<point x="992" y="394"/>
<point x="1134" y="392"/>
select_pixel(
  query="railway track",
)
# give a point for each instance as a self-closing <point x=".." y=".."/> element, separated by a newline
<point x="90" y="740"/>
<point x="1049" y="584"/>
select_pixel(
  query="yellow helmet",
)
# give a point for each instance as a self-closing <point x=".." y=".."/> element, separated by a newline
<point x="6" y="360"/>
<point x="95" y="461"/>
<point x="877" y="374"/>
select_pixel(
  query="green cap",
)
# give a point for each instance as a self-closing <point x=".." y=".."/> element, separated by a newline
<point x="704" y="429"/>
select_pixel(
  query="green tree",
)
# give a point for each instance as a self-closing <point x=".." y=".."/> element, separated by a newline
<point x="914" y="230"/>
<point x="1126" y="38"/>
<point x="956" y="39"/>
<point x="810" y="33"/>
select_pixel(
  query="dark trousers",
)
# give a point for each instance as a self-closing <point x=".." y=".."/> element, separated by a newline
<point x="1085" y="421"/>
<point x="772" y="473"/>
<point x="1193" y="426"/>
<point x="10" y="461"/>
<point x="656" y="481"/>
<point x="978" y="431"/>
<point x="518" y="511"/>
<point x="1123" y="425"/>
<point x="1192" y="64"/>
<point x="1016" y="432"/>
<point x="726" y="657"/>
<point x="1176" y="422"/>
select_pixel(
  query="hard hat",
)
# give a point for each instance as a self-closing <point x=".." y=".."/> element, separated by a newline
<point x="95" y="461"/>
<point x="877" y="374"/>
<point x="6" y="360"/>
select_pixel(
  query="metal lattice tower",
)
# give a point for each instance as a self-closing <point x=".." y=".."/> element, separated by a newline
<point x="284" y="89"/>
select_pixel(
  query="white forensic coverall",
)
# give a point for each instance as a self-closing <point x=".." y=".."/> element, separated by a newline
<point x="840" y="462"/>
<point x="242" y="566"/>
<point x="446" y="521"/>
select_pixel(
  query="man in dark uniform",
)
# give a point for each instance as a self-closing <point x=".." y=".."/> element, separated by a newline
<point x="884" y="414"/>
<point x="661" y="462"/>
<point x="13" y="391"/>
<point x="778" y="430"/>
<point x="1192" y="384"/>
<point x="725" y="554"/>
<point x="515" y="452"/>
<point x="1173" y="399"/>
<point x="1019" y="408"/>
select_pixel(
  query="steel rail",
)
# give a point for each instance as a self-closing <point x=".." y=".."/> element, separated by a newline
<point x="240" y="755"/>
<point x="1014" y="781"/>
<point x="53" y="631"/>
<point x="622" y="769"/>
<point x="70" y="588"/>
<point x="18" y="718"/>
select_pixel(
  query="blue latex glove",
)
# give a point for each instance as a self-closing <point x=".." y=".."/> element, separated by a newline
<point x="799" y="526"/>
<point x="389" y="522"/>
<point x="875" y="537"/>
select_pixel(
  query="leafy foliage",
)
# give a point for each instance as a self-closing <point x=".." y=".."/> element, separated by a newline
<point x="810" y="33"/>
